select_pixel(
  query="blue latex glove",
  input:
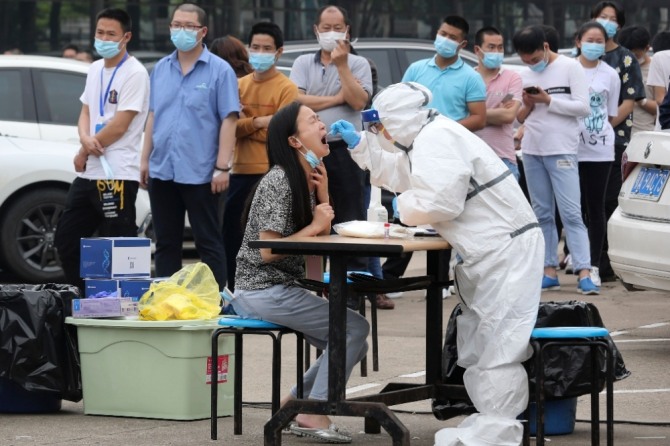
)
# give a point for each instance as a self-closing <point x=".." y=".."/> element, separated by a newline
<point x="348" y="132"/>
<point x="394" y="205"/>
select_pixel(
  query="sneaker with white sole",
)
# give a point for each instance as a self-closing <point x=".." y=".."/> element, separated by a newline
<point x="587" y="287"/>
<point x="395" y="295"/>
<point x="550" y="283"/>
<point x="595" y="276"/>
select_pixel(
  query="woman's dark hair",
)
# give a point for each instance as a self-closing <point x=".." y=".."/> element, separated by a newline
<point x="284" y="124"/>
<point x="529" y="39"/>
<point x="661" y="41"/>
<point x="634" y="38"/>
<point x="231" y="50"/>
<point x="620" y="14"/>
<point x="584" y="28"/>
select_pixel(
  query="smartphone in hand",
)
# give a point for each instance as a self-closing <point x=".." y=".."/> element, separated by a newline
<point x="532" y="90"/>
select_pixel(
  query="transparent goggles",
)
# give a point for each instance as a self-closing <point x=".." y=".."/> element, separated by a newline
<point x="371" y="121"/>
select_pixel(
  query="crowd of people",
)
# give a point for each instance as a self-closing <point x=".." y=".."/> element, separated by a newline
<point x="293" y="159"/>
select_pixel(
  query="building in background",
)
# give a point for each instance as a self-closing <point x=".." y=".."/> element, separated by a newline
<point x="45" y="26"/>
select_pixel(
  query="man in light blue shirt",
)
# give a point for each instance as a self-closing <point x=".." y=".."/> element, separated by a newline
<point x="188" y="145"/>
<point x="458" y="90"/>
<point x="458" y="93"/>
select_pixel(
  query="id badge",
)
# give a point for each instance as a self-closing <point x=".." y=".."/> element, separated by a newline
<point x="99" y="127"/>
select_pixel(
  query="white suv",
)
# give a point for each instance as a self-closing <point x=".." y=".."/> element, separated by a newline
<point x="38" y="141"/>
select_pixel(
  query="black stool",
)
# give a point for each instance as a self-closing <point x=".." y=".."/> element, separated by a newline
<point x="592" y="337"/>
<point x="240" y="327"/>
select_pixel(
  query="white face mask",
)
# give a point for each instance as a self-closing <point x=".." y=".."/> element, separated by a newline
<point x="328" y="40"/>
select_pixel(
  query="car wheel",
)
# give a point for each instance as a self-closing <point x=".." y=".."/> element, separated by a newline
<point x="628" y="286"/>
<point x="27" y="236"/>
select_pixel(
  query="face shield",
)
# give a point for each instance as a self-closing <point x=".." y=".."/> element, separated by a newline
<point x="373" y="124"/>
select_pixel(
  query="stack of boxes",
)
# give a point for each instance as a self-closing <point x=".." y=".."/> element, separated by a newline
<point x="133" y="368"/>
<point x="116" y="273"/>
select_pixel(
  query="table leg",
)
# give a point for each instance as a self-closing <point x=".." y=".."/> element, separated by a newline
<point x="337" y="338"/>
<point x="434" y="330"/>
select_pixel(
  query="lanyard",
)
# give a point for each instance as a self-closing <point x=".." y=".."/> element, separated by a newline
<point x="103" y="99"/>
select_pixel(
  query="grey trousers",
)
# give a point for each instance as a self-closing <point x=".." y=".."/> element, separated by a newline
<point x="303" y="311"/>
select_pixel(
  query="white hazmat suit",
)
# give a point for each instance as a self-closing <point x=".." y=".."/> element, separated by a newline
<point x="451" y="180"/>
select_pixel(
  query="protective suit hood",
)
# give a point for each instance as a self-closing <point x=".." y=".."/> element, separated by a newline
<point x="402" y="111"/>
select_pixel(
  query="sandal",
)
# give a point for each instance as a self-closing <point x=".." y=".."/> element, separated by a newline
<point x="327" y="435"/>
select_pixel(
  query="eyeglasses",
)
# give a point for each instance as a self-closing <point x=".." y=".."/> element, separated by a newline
<point x="179" y="26"/>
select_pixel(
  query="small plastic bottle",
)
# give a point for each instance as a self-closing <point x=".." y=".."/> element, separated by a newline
<point x="377" y="212"/>
<point x="387" y="230"/>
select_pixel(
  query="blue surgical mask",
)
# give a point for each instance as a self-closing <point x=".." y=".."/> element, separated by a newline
<point x="593" y="51"/>
<point x="262" y="62"/>
<point x="445" y="47"/>
<point x="107" y="48"/>
<point x="541" y="65"/>
<point x="492" y="60"/>
<point x="311" y="158"/>
<point x="610" y="27"/>
<point x="184" y="40"/>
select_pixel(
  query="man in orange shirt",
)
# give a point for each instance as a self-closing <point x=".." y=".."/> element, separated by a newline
<point x="262" y="93"/>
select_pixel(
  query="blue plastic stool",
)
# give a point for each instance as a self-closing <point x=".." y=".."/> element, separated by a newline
<point x="240" y="327"/>
<point x="592" y="337"/>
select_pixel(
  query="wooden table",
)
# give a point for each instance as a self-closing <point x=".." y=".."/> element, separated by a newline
<point x="373" y="407"/>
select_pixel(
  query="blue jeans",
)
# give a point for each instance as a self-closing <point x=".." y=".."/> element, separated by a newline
<point x="513" y="167"/>
<point x="554" y="180"/>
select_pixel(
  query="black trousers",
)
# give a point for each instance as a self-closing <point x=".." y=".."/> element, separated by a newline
<point x="239" y="192"/>
<point x="170" y="201"/>
<point x="593" y="179"/>
<point x="346" y="186"/>
<point x="103" y="206"/>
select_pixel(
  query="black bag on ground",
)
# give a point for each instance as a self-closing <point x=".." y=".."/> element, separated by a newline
<point x="567" y="369"/>
<point x="38" y="351"/>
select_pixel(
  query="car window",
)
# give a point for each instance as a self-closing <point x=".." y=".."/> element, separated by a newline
<point x="412" y="55"/>
<point x="381" y="59"/>
<point x="10" y="96"/>
<point x="60" y="94"/>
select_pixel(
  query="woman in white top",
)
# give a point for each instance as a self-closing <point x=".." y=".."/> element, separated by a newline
<point x="596" y="141"/>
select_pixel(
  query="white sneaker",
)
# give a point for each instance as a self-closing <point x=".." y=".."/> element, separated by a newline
<point x="595" y="276"/>
<point x="568" y="264"/>
<point x="449" y="291"/>
<point x="394" y="295"/>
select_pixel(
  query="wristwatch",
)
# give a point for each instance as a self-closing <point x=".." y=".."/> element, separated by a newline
<point x="228" y="168"/>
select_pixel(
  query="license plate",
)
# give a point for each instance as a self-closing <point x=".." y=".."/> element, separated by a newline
<point x="649" y="183"/>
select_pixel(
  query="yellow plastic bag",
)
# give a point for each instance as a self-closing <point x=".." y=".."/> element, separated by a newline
<point x="191" y="293"/>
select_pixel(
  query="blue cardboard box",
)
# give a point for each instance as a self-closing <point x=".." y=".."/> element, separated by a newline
<point x="135" y="288"/>
<point x="115" y="257"/>
<point x="96" y="287"/>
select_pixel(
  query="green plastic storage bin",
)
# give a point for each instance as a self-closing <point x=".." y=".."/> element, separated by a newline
<point x="151" y="369"/>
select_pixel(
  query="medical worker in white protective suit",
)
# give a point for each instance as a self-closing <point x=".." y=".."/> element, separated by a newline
<point x="450" y="179"/>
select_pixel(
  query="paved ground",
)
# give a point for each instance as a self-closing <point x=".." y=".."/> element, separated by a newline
<point x="640" y="320"/>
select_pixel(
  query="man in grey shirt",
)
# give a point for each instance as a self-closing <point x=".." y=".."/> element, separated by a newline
<point x="337" y="85"/>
